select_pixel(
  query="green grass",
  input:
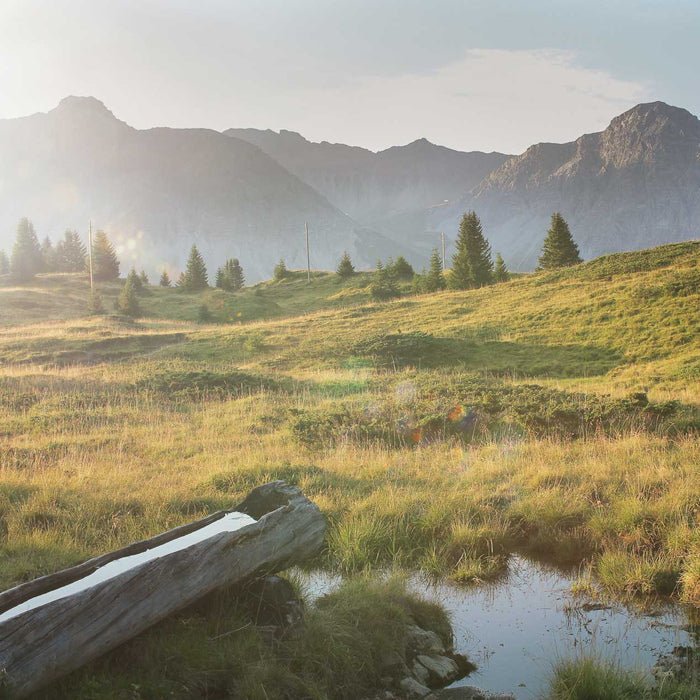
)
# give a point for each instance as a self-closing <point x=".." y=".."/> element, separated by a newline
<point x="555" y="414"/>
<point x="588" y="678"/>
<point x="210" y="650"/>
<point x="65" y="296"/>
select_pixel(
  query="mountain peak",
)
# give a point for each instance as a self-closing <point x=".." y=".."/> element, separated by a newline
<point x="654" y="132"/>
<point x="657" y="109"/>
<point x="655" y="117"/>
<point x="77" y="104"/>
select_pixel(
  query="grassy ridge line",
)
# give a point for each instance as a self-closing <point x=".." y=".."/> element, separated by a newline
<point x="64" y="297"/>
<point x="99" y="447"/>
<point x="642" y="326"/>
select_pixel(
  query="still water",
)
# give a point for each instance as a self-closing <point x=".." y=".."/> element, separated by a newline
<point x="517" y="628"/>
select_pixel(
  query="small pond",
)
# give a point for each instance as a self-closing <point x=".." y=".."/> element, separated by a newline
<point x="517" y="628"/>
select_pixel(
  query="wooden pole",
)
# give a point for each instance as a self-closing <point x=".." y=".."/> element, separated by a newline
<point x="308" y="256"/>
<point x="92" y="283"/>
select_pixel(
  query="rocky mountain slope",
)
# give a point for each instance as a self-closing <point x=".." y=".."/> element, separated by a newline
<point x="390" y="190"/>
<point x="247" y="193"/>
<point x="634" y="185"/>
<point x="159" y="190"/>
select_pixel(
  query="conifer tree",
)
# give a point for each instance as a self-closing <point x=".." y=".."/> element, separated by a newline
<point x="230" y="276"/>
<point x="280" y="271"/>
<point x="384" y="283"/>
<point x="48" y="255"/>
<point x="203" y="314"/>
<point x="144" y="278"/>
<point x="105" y="264"/>
<point x="95" y="305"/>
<point x="418" y="282"/>
<point x="435" y="279"/>
<point x="559" y="248"/>
<point x="500" y="273"/>
<point x="4" y="263"/>
<point x="181" y="281"/>
<point x="471" y="265"/>
<point x="135" y="280"/>
<point x="128" y="303"/>
<point x="26" y="253"/>
<point x="71" y="254"/>
<point x="345" y="267"/>
<point x="195" y="278"/>
<point x="402" y="268"/>
<point x="165" y="279"/>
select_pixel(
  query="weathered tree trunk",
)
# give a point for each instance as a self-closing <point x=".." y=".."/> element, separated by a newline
<point x="44" y="643"/>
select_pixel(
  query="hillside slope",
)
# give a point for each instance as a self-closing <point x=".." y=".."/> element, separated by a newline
<point x="158" y="191"/>
<point x="631" y="318"/>
<point x="389" y="190"/>
<point x="634" y="185"/>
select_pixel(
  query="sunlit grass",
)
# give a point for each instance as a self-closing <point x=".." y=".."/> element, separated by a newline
<point x="96" y="451"/>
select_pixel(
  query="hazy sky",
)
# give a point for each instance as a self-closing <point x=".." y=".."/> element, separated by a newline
<point x="470" y="74"/>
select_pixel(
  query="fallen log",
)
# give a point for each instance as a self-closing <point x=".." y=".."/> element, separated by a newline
<point x="57" y="623"/>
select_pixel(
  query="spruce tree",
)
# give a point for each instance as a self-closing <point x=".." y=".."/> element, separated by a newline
<point x="471" y="264"/>
<point x="280" y="271"/>
<point x="236" y="275"/>
<point x="4" y="263"/>
<point x="105" y="264"/>
<point x="559" y="248"/>
<point x="144" y="278"/>
<point x="95" y="305"/>
<point x="71" y="254"/>
<point x="181" y="281"/>
<point x="195" y="272"/>
<point x="345" y="267"/>
<point x="384" y="283"/>
<point x="230" y="276"/>
<point x="165" y="279"/>
<point x="500" y="273"/>
<point x="48" y="255"/>
<point x="402" y="268"/>
<point x="418" y="282"/>
<point x="26" y="253"/>
<point x="135" y="280"/>
<point x="435" y="279"/>
<point x="128" y="303"/>
<point x="203" y="314"/>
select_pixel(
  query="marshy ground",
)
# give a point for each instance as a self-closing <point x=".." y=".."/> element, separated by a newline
<point x="556" y="415"/>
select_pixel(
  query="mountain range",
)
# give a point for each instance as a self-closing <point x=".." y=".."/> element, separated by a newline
<point x="248" y="193"/>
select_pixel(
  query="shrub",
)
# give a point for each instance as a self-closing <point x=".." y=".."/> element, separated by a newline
<point x="469" y="408"/>
<point x="397" y="349"/>
<point x="205" y="384"/>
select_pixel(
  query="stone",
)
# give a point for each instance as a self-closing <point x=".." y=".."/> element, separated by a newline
<point x="420" y="672"/>
<point x="442" y="670"/>
<point x="413" y="688"/>
<point x="424" y="641"/>
<point x="469" y="692"/>
<point x="393" y="664"/>
<point x="274" y="605"/>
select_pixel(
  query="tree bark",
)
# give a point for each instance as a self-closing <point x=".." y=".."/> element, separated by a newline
<point x="47" y="642"/>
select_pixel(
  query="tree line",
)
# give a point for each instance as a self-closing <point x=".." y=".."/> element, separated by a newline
<point x="472" y="264"/>
<point x="70" y="254"/>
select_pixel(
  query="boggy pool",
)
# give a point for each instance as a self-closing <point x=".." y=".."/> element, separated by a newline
<point x="518" y="627"/>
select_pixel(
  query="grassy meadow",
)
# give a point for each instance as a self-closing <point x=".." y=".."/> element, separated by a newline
<point x="556" y="415"/>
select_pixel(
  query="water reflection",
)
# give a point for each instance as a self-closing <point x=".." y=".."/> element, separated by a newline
<point x="517" y="628"/>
